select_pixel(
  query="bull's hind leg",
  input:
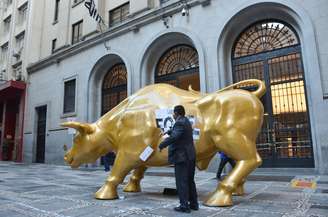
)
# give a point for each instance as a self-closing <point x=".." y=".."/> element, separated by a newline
<point x="223" y="194"/>
<point x="134" y="182"/>
<point x="122" y="166"/>
<point x="239" y="191"/>
<point x="246" y="163"/>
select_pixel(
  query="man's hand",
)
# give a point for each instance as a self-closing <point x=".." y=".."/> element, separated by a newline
<point x="168" y="132"/>
<point x="160" y="148"/>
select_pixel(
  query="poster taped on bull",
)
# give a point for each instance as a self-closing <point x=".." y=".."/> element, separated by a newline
<point x="196" y="134"/>
<point x="146" y="153"/>
<point x="164" y="119"/>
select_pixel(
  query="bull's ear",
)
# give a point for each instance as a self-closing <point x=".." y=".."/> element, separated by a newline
<point x="83" y="128"/>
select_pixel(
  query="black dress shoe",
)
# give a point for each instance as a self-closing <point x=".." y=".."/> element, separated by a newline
<point x="194" y="207"/>
<point x="182" y="209"/>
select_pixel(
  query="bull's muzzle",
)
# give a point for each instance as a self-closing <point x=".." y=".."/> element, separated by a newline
<point x="68" y="158"/>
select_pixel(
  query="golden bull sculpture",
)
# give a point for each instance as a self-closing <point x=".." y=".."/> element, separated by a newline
<point x="229" y="120"/>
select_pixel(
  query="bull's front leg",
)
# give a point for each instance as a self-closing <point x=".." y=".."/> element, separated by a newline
<point x="122" y="166"/>
<point x="134" y="182"/>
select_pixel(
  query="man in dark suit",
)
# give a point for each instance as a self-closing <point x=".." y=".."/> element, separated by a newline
<point x="182" y="155"/>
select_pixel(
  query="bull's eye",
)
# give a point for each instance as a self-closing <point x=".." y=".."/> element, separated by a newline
<point x="77" y="139"/>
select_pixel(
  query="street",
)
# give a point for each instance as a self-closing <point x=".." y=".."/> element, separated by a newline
<point x="48" y="190"/>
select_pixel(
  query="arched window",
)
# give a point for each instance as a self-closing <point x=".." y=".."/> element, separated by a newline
<point x="271" y="51"/>
<point x="179" y="66"/>
<point x="263" y="37"/>
<point x="114" y="88"/>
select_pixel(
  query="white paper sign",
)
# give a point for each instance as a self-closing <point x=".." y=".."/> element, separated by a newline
<point x="192" y="120"/>
<point x="196" y="134"/>
<point x="162" y="113"/>
<point x="71" y="130"/>
<point x="164" y="119"/>
<point x="146" y="153"/>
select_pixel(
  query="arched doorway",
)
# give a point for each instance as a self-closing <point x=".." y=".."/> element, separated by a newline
<point x="270" y="50"/>
<point x="179" y="66"/>
<point x="114" y="87"/>
<point x="114" y="91"/>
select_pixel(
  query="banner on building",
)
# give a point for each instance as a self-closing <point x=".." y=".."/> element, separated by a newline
<point x="93" y="12"/>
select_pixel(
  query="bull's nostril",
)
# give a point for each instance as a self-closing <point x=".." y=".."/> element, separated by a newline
<point x="67" y="158"/>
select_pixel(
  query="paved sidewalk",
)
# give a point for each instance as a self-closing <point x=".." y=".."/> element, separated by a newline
<point x="46" y="190"/>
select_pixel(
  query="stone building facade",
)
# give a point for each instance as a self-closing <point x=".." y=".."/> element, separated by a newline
<point x="206" y="43"/>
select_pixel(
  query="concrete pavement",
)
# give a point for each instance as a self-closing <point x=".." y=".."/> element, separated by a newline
<point x="38" y="190"/>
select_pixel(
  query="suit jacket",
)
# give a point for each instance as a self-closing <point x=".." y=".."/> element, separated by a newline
<point x="180" y="142"/>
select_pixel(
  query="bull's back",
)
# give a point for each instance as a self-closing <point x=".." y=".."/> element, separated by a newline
<point x="148" y="99"/>
<point x="240" y="110"/>
<point x="162" y="96"/>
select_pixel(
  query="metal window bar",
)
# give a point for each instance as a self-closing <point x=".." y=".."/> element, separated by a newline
<point x="114" y="87"/>
<point x="179" y="67"/>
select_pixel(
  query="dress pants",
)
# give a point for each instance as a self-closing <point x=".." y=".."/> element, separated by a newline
<point x="185" y="183"/>
<point x="106" y="160"/>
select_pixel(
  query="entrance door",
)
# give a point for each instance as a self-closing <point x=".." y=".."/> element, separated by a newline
<point x="41" y="133"/>
<point x="114" y="91"/>
<point x="114" y="88"/>
<point x="270" y="51"/>
<point x="9" y="128"/>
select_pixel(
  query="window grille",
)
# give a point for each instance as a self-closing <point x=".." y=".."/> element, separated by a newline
<point x="179" y="66"/>
<point x="114" y="88"/>
<point x="264" y="36"/>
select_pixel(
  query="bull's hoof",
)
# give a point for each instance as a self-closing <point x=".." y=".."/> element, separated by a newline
<point x="106" y="192"/>
<point x="239" y="191"/>
<point x="132" y="187"/>
<point x="219" y="198"/>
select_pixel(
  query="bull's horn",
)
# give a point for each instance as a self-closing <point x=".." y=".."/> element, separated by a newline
<point x="81" y="127"/>
<point x="194" y="91"/>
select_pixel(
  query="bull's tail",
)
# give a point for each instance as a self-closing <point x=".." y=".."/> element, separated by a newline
<point x="251" y="82"/>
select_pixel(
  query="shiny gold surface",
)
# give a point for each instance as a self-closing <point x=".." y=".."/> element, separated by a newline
<point x="229" y="121"/>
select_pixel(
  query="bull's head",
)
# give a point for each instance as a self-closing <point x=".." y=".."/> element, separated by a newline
<point x="88" y="145"/>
